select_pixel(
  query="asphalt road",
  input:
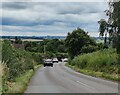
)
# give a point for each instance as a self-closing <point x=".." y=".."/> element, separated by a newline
<point x="61" y="79"/>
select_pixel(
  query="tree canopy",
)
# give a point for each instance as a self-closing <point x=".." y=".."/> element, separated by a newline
<point x="112" y="26"/>
<point x="75" y="42"/>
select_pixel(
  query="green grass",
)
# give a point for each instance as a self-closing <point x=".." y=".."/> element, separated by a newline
<point x="113" y="77"/>
<point x="21" y="82"/>
<point x="102" y="63"/>
<point x="1" y="78"/>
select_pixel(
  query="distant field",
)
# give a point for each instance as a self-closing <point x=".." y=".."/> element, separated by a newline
<point x="26" y="39"/>
<point x="32" y="40"/>
<point x="100" y="41"/>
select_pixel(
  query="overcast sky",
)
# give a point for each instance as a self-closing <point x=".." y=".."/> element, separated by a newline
<point x="49" y="18"/>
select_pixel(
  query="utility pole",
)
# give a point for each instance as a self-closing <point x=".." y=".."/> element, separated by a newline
<point x="44" y="51"/>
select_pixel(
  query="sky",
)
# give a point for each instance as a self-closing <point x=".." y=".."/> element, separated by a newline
<point x="50" y="18"/>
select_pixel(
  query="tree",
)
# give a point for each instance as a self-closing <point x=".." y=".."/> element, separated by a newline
<point x="114" y="17"/>
<point x="114" y="22"/>
<point x="18" y="40"/>
<point x="103" y="29"/>
<point x="75" y="41"/>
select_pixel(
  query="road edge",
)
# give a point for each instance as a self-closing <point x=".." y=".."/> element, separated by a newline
<point x="21" y="82"/>
<point x="95" y="74"/>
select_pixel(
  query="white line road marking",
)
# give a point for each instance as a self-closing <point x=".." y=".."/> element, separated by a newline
<point x="85" y="85"/>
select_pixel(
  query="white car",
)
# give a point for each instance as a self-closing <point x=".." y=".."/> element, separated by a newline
<point x="55" y="60"/>
<point x="48" y="62"/>
<point x="65" y="60"/>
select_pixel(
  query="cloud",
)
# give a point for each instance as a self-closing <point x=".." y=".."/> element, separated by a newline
<point x="57" y="0"/>
<point x="14" y="5"/>
<point x="50" y="18"/>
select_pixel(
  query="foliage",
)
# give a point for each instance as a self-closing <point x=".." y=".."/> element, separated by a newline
<point x="18" y="40"/>
<point x="34" y="46"/>
<point x="116" y="22"/>
<point x="76" y="42"/>
<point x="3" y="77"/>
<point x="1" y="74"/>
<point x="102" y="29"/>
<point x="102" y="61"/>
<point x="113" y="77"/>
<point x="89" y="49"/>
<point x="37" y="58"/>
<point x="18" y="61"/>
<point x="50" y="46"/>
<point x="112" y="26"/>
<point x="20" y="83"/>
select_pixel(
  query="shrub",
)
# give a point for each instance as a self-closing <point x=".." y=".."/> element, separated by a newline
<point x="103" y="61"/>
<point x="89" y="49"/>
<point x="3" y="77"/>
<point x="18" y="61"/>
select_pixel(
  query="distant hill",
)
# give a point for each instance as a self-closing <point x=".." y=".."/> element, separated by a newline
<point x="34" y="37"/>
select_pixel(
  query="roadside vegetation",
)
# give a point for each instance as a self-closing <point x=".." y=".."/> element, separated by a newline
<point x="17" y="63"/>
<point x="102" y="63"/>
<point x="21" y="82"/>
<point x="100" y="60"/>
<point x="85" y="55"/>
<point x="49" y="47"/>
<point x="1" y="74"/>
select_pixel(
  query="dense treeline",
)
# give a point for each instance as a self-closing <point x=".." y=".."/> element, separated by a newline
<point x="49" y="47"/>
<point x="17" y="61"/>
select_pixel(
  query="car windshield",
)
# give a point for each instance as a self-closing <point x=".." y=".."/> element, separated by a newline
<point x="48" y="61"/>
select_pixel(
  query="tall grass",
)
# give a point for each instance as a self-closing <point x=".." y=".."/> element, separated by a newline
<point x="1" y="78"/>
<point x="16" y="62"/>
<point x="102" y="61"/>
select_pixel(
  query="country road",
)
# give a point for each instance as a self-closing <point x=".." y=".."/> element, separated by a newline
<point x="61" y="79"/>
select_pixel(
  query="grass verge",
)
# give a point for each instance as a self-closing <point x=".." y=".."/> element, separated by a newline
<point x="0" y="78"/>
<point x="21" y="82"/>
<point x="113" y="77"/>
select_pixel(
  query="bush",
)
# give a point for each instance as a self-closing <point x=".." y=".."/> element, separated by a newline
<point x="37" y="58"/>
<point x="89" y="49"/>
<point x="18" y="61"/>
<point x="103" y="61"/>
<point x="3" y="77"/>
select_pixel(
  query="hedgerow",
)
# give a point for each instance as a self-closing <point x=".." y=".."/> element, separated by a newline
<point x="102" y="61"/>
<point x="18" y="61"/>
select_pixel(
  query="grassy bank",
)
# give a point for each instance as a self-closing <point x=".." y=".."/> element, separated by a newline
<point x="102" y="63"/>
<point x="21" y="82"/>
<point x="112" y="77"/>
<point x="18" y="65"/>
<point x="0" y="79"/>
